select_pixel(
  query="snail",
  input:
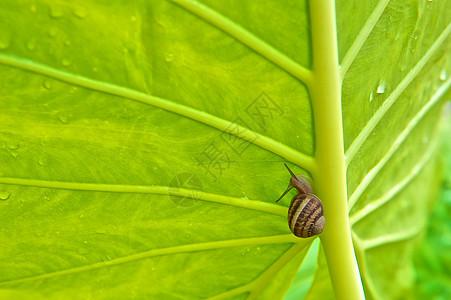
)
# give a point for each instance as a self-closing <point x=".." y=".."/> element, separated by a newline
<point x="306" y="213"/>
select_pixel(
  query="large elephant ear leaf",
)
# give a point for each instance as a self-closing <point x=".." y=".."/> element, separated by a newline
<point x="142" y="145"/>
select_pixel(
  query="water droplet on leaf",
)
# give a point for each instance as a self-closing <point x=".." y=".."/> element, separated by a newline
<point x="42" y="161"/>
<point x="80" y="12"/>
<point x="66" y="62"/>
<point x="56" y="12"/>
<point x="4" y="195"/>
<point x="5" y="41"/>
<point x="47" y="84"/>
<point x="52" y="32"/>
<point x="381" y="87"/>
<point x="443" y="75"/>
<point x="62" y="118"/>
<point x="371" y="96"/>
<point x="168" y="56"/>
<point x="31" y="45"/>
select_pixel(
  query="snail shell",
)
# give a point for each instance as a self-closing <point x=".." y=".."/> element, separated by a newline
<point x="306" y="213"/>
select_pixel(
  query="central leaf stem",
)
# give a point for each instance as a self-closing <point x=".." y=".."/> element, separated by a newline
<point x="330" y="169"/>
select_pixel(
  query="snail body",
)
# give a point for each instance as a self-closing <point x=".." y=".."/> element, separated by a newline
<point x="306" y="212"/>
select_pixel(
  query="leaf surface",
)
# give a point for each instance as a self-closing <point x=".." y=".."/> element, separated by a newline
<point x="142" y="144"/>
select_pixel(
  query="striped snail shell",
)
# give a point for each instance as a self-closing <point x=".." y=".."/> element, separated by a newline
<point x="306" y="213"/>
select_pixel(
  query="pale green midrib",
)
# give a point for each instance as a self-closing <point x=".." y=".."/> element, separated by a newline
<point x="248" y="39"/>
<point x="264" y="142"/>
<point x="156" y="190"/>
<point x="330" y="168"/>
<point x="391" y="238"/>
<point x="278" y="239"/>
<point x="255" y="286"/>
<point x="372" y="123"/>
<point x="362" y="37"/>
<point x="363" y="264"/>
<point x="396" y="144"/>
<point x="397" y="188"/>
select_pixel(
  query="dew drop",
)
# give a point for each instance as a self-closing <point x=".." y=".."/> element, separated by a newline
<point x="62" y="118"/>
<point x="5" y="41"/>
<point x="56" y="12"/>
<point x="52" y="32"/>
<point x="244" y="198"/>
<point x="425" y="139"/>
<point x="42" y="161"/>
<point x="4" y="195"/>
<point x="47" y="84"/>
<point x="31" y="45"/>
<point x="443" y="75"/>
<point x="66" y="62"/>
<point x="80" y="12"/>
<point x="371" y="96"/>
<point x="381" y="87"/>
<point x="46" y="198"/>
<point x="168" y="56"/>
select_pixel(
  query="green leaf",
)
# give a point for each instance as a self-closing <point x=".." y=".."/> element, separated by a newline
<point x="142" y="145"/>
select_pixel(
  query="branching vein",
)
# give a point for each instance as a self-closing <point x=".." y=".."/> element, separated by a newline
<point x="362" y="37"/>
<point x="264" y="142"/>
<point x="256" y="286"/>
<point x="391" y="238"/>
<point x="248" y="39"/>
<point x="397" y="188"/>
<point x="372" y="123"/>
<point x="398" y="142"/>
<point x="156" y="190"/>
<point x="278" y="239"/>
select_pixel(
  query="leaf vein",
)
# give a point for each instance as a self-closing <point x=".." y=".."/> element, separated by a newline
<point x="362" y="37"/>
<point x="189" y="248"/>
<point x="397" y="188"/>
<point x="301" y="159"/>
<point x="156" y="190"/>
<point x="248" y="39"/>
<point x="397" y="144"/>
<point x="372" y="123"/>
